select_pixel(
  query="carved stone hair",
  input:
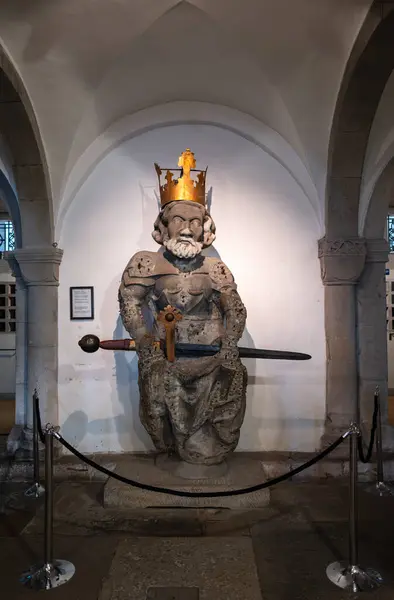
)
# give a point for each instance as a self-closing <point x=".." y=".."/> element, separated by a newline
<point x="159" y="233"/>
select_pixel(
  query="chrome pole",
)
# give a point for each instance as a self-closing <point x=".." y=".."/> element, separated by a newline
<point x="379" y="441"/>
<point x="351" y="576"/>
<point x="48" y="526"/>
<point x="36" y="490"/>
<point x="52" y="573"/>
<point x="379" y="488"/>
<point x="353" y="537"/>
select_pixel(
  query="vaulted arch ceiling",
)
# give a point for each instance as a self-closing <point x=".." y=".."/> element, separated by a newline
<point x="86" y="64"/>
<point x="362" y="92"/>
<point x="24" y="185"/>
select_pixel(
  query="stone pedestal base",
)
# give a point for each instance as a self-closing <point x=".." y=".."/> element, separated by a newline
<point x="241" y="472"/>
<point x="180" y="468"/>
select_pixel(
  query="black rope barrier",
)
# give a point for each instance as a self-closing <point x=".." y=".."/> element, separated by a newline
<point x="163" y="490"/>
<point x="365" y="458"/>
<point x="36" y="408"/>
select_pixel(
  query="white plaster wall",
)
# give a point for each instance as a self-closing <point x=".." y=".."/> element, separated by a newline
<point x="267" y="235"/>
<point x="7" y="344"/>
<point x="180" y="113"/>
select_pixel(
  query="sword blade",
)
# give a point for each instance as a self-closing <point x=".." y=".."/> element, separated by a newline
<point x="272" y="354"/>
<point x="190" y="350"/>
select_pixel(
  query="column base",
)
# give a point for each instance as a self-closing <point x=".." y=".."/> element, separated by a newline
<point x="335" y="426"/>
<point x="20" y="442"/>
<point x="14" y="439"/>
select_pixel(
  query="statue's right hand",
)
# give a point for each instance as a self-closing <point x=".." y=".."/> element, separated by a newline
<point x="146" y="341"/>
<point x="148" y="351"/>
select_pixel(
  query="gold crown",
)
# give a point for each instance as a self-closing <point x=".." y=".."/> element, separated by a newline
<point x="185" y="187"/>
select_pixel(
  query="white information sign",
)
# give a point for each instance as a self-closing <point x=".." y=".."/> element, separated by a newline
<point x="81" y="303"/>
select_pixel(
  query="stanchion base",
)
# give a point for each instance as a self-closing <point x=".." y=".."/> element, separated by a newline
<point x="48" y="576"/>
<point x="353" y="577"/>
<point x="35" y="491"/>
<point x="380" y="489"/>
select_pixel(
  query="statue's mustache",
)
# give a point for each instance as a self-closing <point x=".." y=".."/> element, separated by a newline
<point x="183" y="247"/>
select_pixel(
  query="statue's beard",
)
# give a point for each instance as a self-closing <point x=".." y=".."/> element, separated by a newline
<point x="183" y="248"/>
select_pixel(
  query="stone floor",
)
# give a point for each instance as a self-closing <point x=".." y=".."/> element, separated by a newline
<point x="276" y="553"/>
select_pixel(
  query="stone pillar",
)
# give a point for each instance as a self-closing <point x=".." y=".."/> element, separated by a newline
<point x="39" y="269"/>
<point x="342" y="262"/>
<point x="372" y="330"/>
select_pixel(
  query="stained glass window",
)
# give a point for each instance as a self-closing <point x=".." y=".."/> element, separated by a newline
<point x="7" y="236"/>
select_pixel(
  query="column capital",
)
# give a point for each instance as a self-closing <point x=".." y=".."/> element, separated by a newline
<point x="378" y="250"/>
<point x="341" y="260"/>
<point x="36" y="266"/>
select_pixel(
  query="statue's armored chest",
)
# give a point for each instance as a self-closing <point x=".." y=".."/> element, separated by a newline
<point x="186" y="291"/>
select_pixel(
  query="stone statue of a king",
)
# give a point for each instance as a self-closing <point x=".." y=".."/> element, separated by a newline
<point x="191" y="406"/>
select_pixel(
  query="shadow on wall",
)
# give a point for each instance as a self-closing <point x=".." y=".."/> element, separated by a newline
<point x="126" y="377"/>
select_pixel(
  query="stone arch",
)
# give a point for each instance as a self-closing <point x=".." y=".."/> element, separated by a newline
<point x="368" y="69"/>
<point x="35" y="262"/>
<point x="345" y="257"/>
<point x="19" y="127"/>
<point x="371" y="301"/>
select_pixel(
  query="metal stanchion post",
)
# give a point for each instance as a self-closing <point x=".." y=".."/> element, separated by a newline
<point x="51" y="573"/>
<point x="36" y="490"/>
<point x="379" y="488"/>
<point x="351" y="576"/>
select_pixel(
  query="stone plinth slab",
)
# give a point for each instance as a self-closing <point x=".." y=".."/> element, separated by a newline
<point x="219" y="568"/>
<point x="242" y="472"/>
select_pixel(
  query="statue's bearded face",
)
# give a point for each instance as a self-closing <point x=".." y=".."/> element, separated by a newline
<point x="185" y="230"/>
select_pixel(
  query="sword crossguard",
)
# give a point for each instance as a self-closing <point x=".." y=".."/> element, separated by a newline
<point x="169" y="317"/>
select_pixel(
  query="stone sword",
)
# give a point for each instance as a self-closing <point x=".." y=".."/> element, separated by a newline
<point x="91" y="343"/>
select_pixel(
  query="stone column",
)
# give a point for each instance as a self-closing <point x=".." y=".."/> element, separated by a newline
<point x="372" y="330"/>
<point x="342" y="261"/>
<point x="39" y="268"/>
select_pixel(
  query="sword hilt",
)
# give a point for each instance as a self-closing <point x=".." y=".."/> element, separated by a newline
<point x="169" y="317"/>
